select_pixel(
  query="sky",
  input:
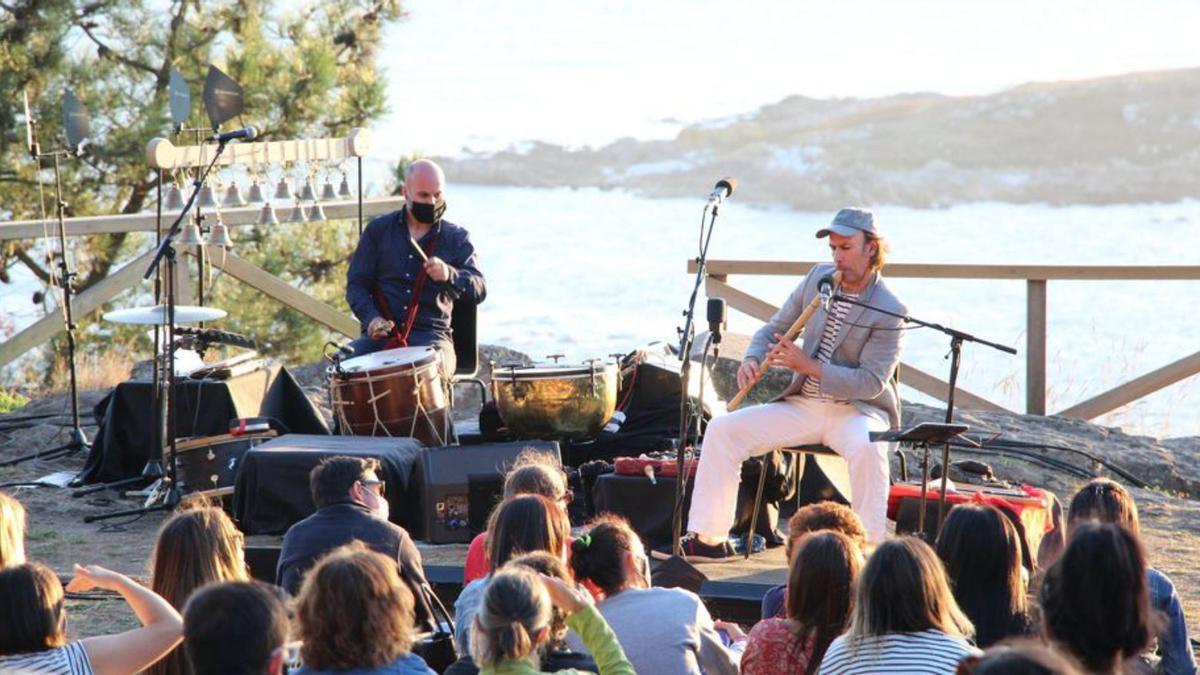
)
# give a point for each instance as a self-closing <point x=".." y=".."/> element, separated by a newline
<point x="485" y="75"/>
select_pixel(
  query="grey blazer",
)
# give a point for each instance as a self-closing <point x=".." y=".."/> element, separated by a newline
<point x="865" y="354"/>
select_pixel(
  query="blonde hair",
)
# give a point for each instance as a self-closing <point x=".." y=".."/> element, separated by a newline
<point x="903" y="589"/>
<point x="12" y="531"/>
<point x="514" y="609"/>
<point x="882" y="248"/>
<point x="535" y="473"/>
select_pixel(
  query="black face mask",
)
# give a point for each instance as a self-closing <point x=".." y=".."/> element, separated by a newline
<point x="428" y="213"/>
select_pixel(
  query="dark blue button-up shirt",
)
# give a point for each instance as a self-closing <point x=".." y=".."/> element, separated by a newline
<point x="386" y="260"/>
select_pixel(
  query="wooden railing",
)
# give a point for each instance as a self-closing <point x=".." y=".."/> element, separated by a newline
<point x="1036" y="278"/>
<point x="129" y="275"/>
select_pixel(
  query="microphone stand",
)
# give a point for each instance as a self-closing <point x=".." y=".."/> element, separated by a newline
<point x="168" y="497"/>
<point x="66" y="281"/>
<point x="957" y="338"/>
<point x="687" y="336"/>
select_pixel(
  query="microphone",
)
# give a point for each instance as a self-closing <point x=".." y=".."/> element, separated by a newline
<point x="825" y="289"/>
<point x="247" y="134"/>
<point x="716" y="318"/>
<point x="722" y="190"/>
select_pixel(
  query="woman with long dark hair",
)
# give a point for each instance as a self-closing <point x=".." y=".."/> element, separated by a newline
<point x="820" y="596"/>
<point x="33" y="619"/>
<point x="1094" y="599"/>
<point x="1104" y="501"/>
<point x="979" y="546"/>
<point x="195" y="547"/>
<point x="905" y="619"/>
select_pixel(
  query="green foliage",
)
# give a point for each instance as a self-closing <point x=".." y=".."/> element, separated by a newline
<point x="10" y="401"/>
<point x="308" y="70"/>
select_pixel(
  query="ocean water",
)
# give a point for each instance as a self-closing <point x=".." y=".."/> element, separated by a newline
<point x="589" y="272"/>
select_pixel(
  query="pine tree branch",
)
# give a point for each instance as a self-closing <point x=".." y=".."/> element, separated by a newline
<point x="107" y="52"/>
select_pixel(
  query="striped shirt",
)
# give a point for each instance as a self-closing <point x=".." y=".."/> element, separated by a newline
<point x="71" y="659"/>
<point x="929" y="652"/>
<point x="833" y="325"/>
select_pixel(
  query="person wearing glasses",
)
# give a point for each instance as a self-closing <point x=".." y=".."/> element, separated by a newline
<point x="351" y="506"/>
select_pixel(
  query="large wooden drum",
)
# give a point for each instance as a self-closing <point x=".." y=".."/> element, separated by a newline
<point x="395" y="392"/>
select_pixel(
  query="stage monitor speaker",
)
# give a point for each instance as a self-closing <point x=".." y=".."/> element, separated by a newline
<point x="443" y="481"/>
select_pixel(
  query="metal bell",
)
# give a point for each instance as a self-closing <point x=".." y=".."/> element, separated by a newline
<point x="283" y="190"/>
<point x="256" y="195"/>
<point x="233" y="196"/>
<point x="219" y="235"/>
<point x="307" y="193"/>
<point x="298" y="214"/>
<point x="174" y="198"/>
<point x="206" y="200"/>
<point x="316" y="212"/>
<point x="344" y="188"/>
<point x="190" y="235"/>
<point x="267" y="215"/>
<point x="328" y="194"/>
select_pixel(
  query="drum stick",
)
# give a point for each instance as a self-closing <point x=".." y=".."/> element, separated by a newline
<point x="791" y="334"/>
<point x="420" y="251"/>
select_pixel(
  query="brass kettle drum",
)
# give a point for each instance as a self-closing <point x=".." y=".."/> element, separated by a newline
<point x="556" y="401"/>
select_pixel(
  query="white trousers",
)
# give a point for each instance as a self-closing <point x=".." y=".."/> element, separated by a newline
<point x="731" y="439"/>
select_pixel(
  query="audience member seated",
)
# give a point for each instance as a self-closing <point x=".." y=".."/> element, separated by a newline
<point x="554" y="653"/>
<point x="350" y="507"/>
<point x="905" y="619"/>
<point x="1020" y="657"/>
<point x="12" y="531"/>
<point x="1104" y="501"/>
<point x="523" y="524"/>
<point x="194" y="547"/>
<point x="356" y="616"/>
<point x="662" y="630"/>
<point x="236" y="628"/>
<point x="1094" y="599"/>
<point x="982" y="554"/>
<point x="814" y="518"/>
<point x="821" y="583"/>
<point x="33" y="621"/>
<point x="533" y="473"/>
<point x="514" y="619"/>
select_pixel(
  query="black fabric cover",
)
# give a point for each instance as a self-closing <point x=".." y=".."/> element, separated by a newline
<point x="126" y="416"/>
<point x="272" y="484"/>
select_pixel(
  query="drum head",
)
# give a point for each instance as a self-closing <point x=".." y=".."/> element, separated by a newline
<point x="390" y="358"/>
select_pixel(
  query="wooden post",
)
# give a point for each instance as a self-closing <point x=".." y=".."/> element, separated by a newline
<point x="1035" y="347"/>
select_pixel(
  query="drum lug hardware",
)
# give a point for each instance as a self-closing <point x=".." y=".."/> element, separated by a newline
<point x="555" y="357"/>
<point x="211" y="455"/>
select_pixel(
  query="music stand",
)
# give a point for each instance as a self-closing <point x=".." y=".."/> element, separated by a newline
<point x="923" y="436"/>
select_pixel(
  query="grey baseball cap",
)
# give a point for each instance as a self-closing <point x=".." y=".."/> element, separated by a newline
<point x="849" y="222"/>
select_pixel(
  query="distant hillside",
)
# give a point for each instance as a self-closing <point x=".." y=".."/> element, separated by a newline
<point x="1128" y="138"/>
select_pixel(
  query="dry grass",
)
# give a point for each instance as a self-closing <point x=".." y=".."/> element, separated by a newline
<point x="95" y="372"/>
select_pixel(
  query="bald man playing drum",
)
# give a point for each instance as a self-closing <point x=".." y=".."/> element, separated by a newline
<point x="409" y="268"/>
